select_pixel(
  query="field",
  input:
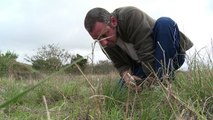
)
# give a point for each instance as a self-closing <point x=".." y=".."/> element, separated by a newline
<point x="95" y="97"/>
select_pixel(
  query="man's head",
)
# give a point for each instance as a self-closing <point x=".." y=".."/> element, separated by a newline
<point x="101" y="25"/>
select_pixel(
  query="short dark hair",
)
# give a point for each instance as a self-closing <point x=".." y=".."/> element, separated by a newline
<point x="96" y="15"/>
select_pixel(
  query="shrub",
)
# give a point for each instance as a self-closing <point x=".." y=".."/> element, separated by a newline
<point x="5" y="62"/>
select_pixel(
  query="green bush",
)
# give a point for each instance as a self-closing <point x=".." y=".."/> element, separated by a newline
<point x="50" y="65"/>
<point x="80" y="61"/>
<point x="5" y="62"/>
<point x="9" y="67"/>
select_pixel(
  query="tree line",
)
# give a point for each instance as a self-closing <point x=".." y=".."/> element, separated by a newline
<point x="49" y="59"/>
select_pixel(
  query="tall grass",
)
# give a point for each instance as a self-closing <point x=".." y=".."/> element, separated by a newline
<point x="189" y="96"/>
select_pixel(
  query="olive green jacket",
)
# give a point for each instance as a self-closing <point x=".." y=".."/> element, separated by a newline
<point x="135" y="26"/>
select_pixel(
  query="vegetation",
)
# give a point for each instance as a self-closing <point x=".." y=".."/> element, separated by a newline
<point x="97" y="95"/>
<point x="10" y="68"/>
<point x="5" y="62"/>
<point x="188" y="97"/>
<point x="49" y="58"/>
<point x="81" y="62"/>
<point x="65" y="97"/>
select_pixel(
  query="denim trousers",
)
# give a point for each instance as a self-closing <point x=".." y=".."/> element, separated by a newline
<point x="168" y="56"/>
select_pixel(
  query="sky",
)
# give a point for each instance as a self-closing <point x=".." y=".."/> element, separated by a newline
<point x="26" y="25"/>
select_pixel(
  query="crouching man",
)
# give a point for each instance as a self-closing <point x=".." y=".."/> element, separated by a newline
<point x="138" y="45"/>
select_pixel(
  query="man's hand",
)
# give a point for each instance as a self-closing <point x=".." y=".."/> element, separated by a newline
<point x="130" y="80"/>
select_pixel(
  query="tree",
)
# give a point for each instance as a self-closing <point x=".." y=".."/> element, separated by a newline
<point x="80" y="61"/>
<point x="9" y="55"/>
<point x="6" y="61"/>
<point x="49" y="58"/>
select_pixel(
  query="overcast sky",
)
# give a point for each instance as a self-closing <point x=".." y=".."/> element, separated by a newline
<point x="26" y="25"/>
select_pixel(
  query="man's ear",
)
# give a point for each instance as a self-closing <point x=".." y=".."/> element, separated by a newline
<point x="113" y="21"/>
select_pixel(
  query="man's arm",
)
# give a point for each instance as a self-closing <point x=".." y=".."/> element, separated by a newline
<point x="120" y="59"/>
<point x="138" y="31"/>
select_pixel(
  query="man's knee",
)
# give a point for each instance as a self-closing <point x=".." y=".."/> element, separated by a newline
<point x="163" y="22"/>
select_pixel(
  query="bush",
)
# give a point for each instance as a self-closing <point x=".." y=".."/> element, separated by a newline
<point x="20" y="71"/>
<point x="6" y="61"/>
<point x="9" y="67"/>
<point x="49" y="57"/>
<point x="50" y="65"/>
<point x="80" y="61"/>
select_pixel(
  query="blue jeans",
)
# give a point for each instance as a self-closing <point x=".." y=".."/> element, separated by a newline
<point x="168" y="56"/>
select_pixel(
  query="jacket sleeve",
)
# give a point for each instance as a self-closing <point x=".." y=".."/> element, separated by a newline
<point x="185" y="42"/>
<point x="120" y="59"/>
<point x="138" y="31"/>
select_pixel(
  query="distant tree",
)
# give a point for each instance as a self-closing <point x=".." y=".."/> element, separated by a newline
<point x="49" y="58"/>
<point x="9" y="55"/>
<point x="48" y="65"/>
<point x="6" y="61"/>
<point x="80" y="61"/>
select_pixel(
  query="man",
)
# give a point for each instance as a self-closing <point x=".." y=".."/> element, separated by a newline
<point x="139" y="46"/>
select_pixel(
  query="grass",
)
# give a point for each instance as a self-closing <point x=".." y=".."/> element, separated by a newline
<point x="189" y="96"/>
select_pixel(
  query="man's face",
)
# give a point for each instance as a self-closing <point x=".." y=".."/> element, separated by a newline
<point x="104" y="34"/>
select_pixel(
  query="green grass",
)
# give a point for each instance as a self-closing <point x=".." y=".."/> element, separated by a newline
<point x="189" y="96"/>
